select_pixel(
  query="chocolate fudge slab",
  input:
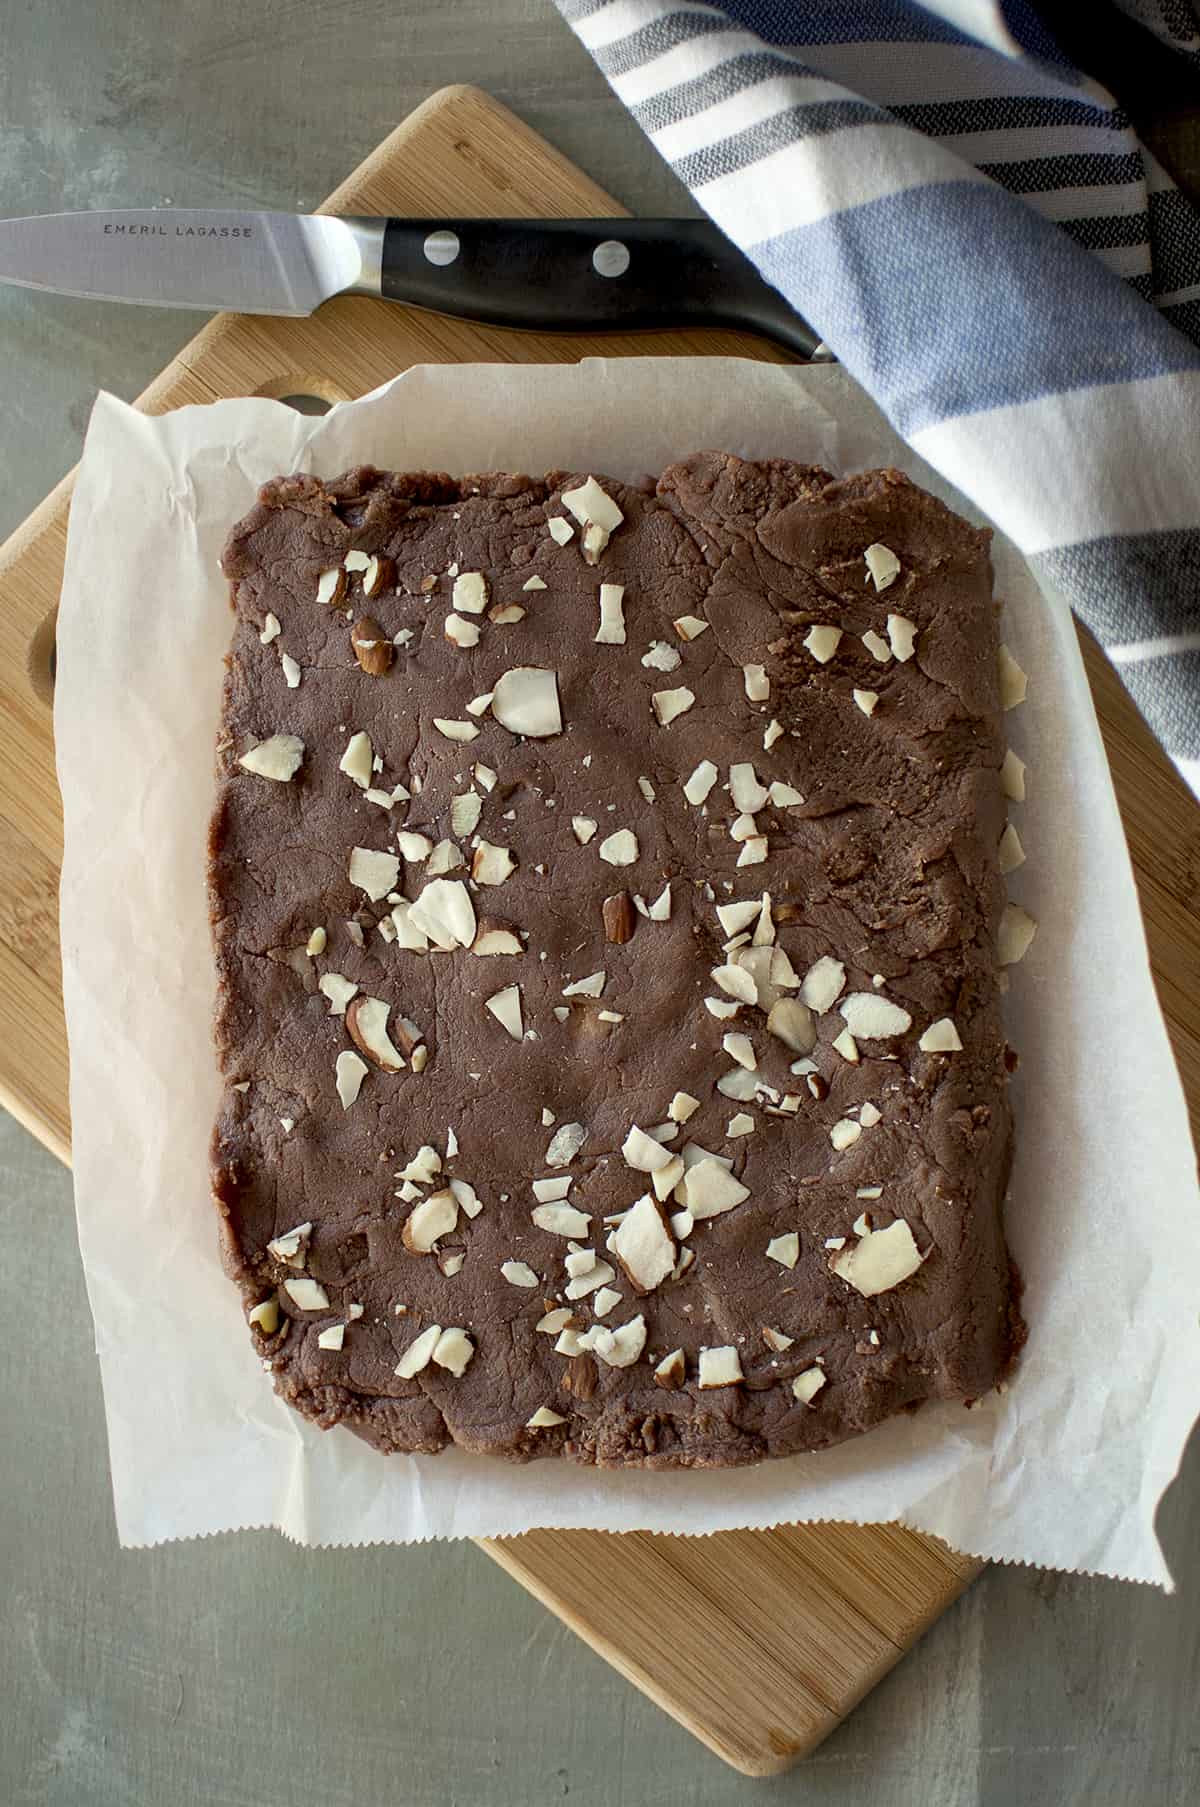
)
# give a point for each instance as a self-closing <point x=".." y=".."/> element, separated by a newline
<point x="605" y="893"/>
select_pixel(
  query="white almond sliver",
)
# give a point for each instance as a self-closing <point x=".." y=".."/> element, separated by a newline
<point x="505" y="1006"/>
<point x="583" y="829"/>
<point x="561" y="1220"/>
<point x="689" y="627"/>
<point x="565" y="1144"/>
<point x="338" y="990"/>
<point x="880" y="1260"/>
<point x="733" y="917"/>
<point x="758" y="685"/>
<point x="454" y="1351"/>
<point x="721" y="1367"/>
<point x="408" y="936"/>
<point x="701" y="782"/>
<point x="740" y="1048"/>
<point x="822" y="642"/>
<point x="643" y="1245"/>
<point x="444" y="912"/>
<point x="1010" y="854"/>
<point x="525" y="701"/>
<point x="643" y="1153"/>
<point x="883" y="567"/>
<point x="591" y="987"/>
<point x="518" y="1273"/>
<point x="560" y="529"/>
<point x="660" y="909"/>
<point x="845" y="1045"/>
<point x="414" y="847"/>
<point x="823" y="983"/>
<point x="877" y="646"/>
<point x="419" y="1352"/>
<point x="754" y="851"/>
<point x="771" y="733"/>
<point x="708" y="1189"/>
<point x="432" y="1218"/>
<point x="1017" y="930"/>
<point x="446" y="857"/>
<point x="737" y="982"/>
<point x="555" y="1320"/>
<point x="455" y="730"/>
<point x="491" y="865"/>
<point x="357" y="760"/>
<point x="373" y="871"/>
<point x="592" y="506"/>
<point x="619" y="849"/>
<point x="791" y="1022"/>
<point x="277" y="758"/>
<point x="669" y="704"/>
<point x="618" y="1348"/>
<point x="349" y="1073"/>
<point x="611" y="631"/>
<point x="747" y="793"/>
<point x="661" y="657"/>
<point x="682" y="1106"/>
<point x="738" y="1084"/>
<point x="465" y="811"/>
<point x="1012" y="777"/>
<point x="807" y="1385"/>
<point x="308" y="1294"/>
<point x="872" y="1018"/>
<point x="543" y="1419"/>
<point x="867" y="700"/>
<point x="665" y="1179"/>
<point x="902" y="634"/>
<point x="470" y="592"/>
<point x="271" y="629"/>
<point x="1013" y="681"/>
<point x="845" y="1133"/>
<point x="941" y="1038"/>
<point x="784" y="796"/>
<point x="534" y="583"/>
<point x="460" y="632"/>
<point x="546" y="1191"/>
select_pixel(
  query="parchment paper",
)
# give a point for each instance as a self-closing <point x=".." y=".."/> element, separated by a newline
<point x="1063" y="1469"/>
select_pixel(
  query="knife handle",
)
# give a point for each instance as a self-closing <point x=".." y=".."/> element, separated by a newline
<point x="584" y="276"/>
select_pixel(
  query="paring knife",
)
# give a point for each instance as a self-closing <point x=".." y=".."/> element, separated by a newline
<point x="545" y="275"/>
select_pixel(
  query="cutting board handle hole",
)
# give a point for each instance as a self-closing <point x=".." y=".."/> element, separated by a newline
<point x="306" y="404"/>
<point x="304" y="391"/>
<point x="41" y="661"/>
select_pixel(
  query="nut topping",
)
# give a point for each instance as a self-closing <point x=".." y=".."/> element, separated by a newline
<point x="371" y="647"/>
<point x="620" y="918"/>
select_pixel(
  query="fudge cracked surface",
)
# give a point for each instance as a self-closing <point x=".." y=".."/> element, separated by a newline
<point x="605" y="893"/>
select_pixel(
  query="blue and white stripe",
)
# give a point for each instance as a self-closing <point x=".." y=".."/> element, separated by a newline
<point x="924" y="183"/>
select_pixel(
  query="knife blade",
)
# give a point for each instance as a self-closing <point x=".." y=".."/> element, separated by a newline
<point x="544" y="275"/>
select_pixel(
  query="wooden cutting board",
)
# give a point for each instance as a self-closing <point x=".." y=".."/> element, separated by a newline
<point x="758" y="1642"/>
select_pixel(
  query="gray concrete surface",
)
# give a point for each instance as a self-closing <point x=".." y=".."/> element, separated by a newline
<point x="239" y="1670"/>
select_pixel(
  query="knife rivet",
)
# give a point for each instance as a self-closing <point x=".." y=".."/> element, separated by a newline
<point x="442" y="247"/>
<point x="610" y="258"/>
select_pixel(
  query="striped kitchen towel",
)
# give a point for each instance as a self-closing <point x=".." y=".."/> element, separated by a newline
<point x="973" y="228"/>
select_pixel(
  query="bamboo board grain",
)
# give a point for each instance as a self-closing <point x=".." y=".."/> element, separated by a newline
<point x="758" y="1642"/>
